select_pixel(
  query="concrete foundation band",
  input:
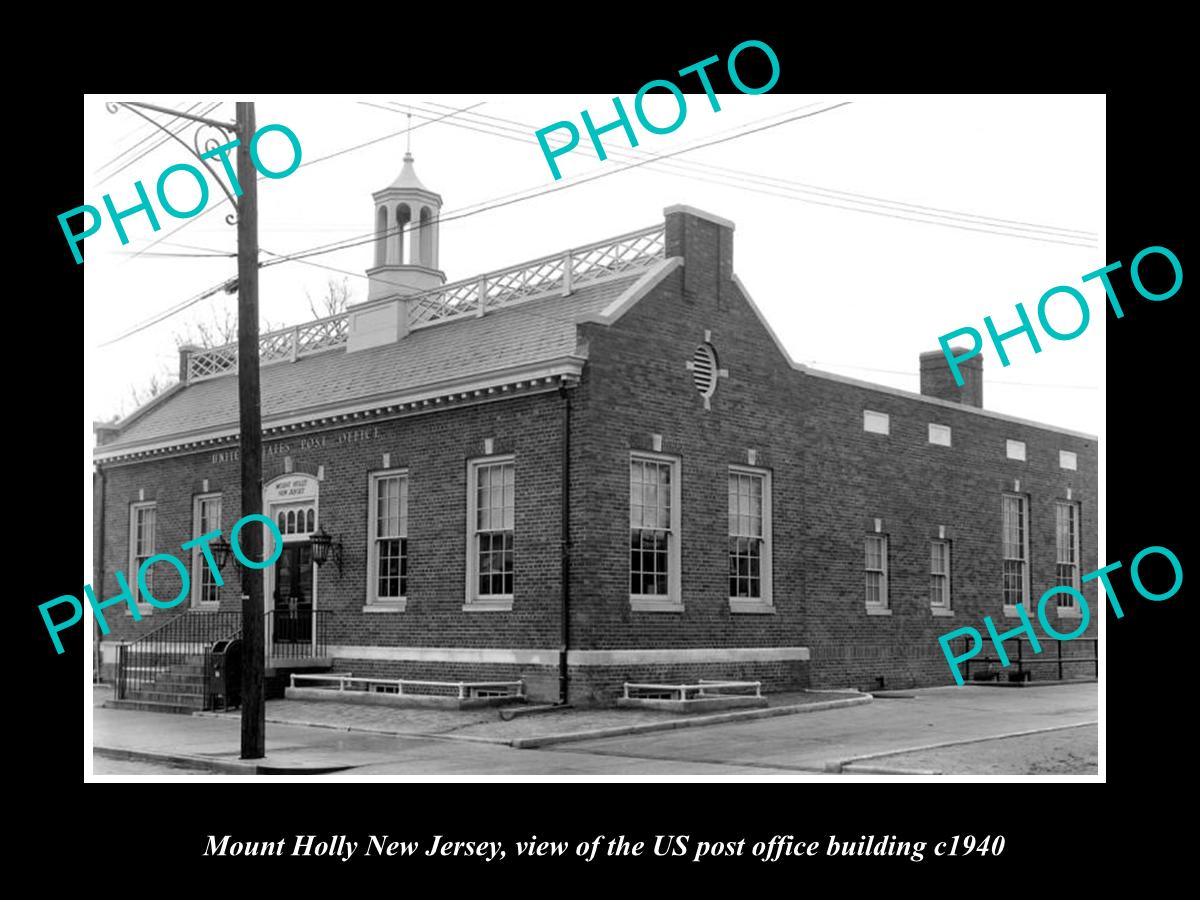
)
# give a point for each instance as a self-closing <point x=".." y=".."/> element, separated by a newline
<point x="549" y="657"/>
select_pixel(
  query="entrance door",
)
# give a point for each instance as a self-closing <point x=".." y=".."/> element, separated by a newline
<point x="293" y="595"/>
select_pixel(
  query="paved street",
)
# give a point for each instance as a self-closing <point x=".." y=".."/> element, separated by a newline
<point x="756" y="748"/>
<point x="1067" y="751"/>
<point x="884" y="726"/>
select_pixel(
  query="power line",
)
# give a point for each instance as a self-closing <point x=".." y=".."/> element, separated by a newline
<point x="836" y="365"/>
<point x="228" y="285"/>
<point x="805" y="188"/>
<point x="213" y="255"/>
<point x="619" y="154"/>
<point x="336" y="246"/>
<point x="312" y="162"/>
<point x="154" y="133"/>
<point x="791" y="182"/>
<point x="451" y="214"/>
<point x="870" y="202"/>
<point x="870" y="207"/>
<point x="302" y="255"/>
<point x="162" y="140"/>
<point x="609" y="171"/>
<point x="299" y="256"/>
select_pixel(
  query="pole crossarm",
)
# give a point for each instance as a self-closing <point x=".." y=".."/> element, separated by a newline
<point x="228" y="131"/>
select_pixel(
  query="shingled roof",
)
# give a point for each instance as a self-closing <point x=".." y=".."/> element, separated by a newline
<point x="463" y="339"/>
<point x="512" y="338"/>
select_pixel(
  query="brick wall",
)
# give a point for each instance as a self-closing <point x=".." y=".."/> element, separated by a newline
<point x="830" y="481"/>
<point x="435" y="449"/>
<point x="635" y="385"/>
<point x="913" y="486"/>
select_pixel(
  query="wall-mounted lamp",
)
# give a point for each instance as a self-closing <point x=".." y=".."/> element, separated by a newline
<point x="322" y="544"/>
<point x="220" y="551"/>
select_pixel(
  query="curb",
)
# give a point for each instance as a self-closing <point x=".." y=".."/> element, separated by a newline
<point x="367" y="729"/>
<point x="192" y="762"/>
<point x="840" y="765"/>
<point x="857" y="769"/>
<point x="221" y="767"/>
<point x="694" y="722"/>
<point x="517" y="712"/>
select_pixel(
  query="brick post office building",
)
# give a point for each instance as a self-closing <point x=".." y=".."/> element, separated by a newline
<point x="597" y="466"/>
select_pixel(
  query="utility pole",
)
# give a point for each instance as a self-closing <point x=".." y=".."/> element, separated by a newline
<point x="249" y="399"/>
<point x="254" y="722"/>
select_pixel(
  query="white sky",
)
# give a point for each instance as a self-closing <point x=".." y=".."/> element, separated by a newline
<point x="849" y="292"/>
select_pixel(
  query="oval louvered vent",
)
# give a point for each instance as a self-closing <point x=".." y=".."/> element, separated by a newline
<point x="704" y="370"/>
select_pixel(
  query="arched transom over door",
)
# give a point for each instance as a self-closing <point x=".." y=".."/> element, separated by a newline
<point x="292" y="502"/>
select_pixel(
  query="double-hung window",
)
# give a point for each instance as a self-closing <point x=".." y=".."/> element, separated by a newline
<point x="939" y="576"/>
<point x="206" y="515"/>
<point x="749" y="540"/>
<point x="877" y="572"/>
<point x="1067" y="553"/>
<point x="142" y="526"/>
<point x="387" y="550"/>
<point x="490" y="517"/>
<point x="1015" y="547"/>
<point x="654" y="533"/>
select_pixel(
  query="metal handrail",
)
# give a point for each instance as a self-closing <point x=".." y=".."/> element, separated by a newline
<point x="141" y="662"/>
<point x="303" y="631"/>
<point x="146" y="662"/>
<point x="1021" y="661"/>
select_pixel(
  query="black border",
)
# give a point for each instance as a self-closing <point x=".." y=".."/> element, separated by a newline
<point x="1148" y="411"/>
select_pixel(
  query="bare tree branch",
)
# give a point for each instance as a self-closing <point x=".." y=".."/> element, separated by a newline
<point x="222" y="329"/>
<point x="335" y="300"/>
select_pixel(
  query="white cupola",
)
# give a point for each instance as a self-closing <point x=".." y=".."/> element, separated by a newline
<point x="406" y="237"/>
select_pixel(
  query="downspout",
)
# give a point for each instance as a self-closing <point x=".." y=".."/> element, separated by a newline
<point x="98" y="580"/>
<point x="565" y="574"/>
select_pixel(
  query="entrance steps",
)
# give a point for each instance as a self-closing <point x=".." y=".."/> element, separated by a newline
<point x="152" y="706"/>
<point x="175" y="688"/>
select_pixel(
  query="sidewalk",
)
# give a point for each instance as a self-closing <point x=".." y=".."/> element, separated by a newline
<point x="319" y="737"/>
<point x="526" y="730"/>
<point x="961" y="730"/>
<point x="207" y="746"/>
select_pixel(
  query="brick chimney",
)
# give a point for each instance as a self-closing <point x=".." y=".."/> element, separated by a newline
<point x="938" y="381"/>
<point x="185" y="359"/>
<point x="705" y="242"/>
<point x="104" y="432"/>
